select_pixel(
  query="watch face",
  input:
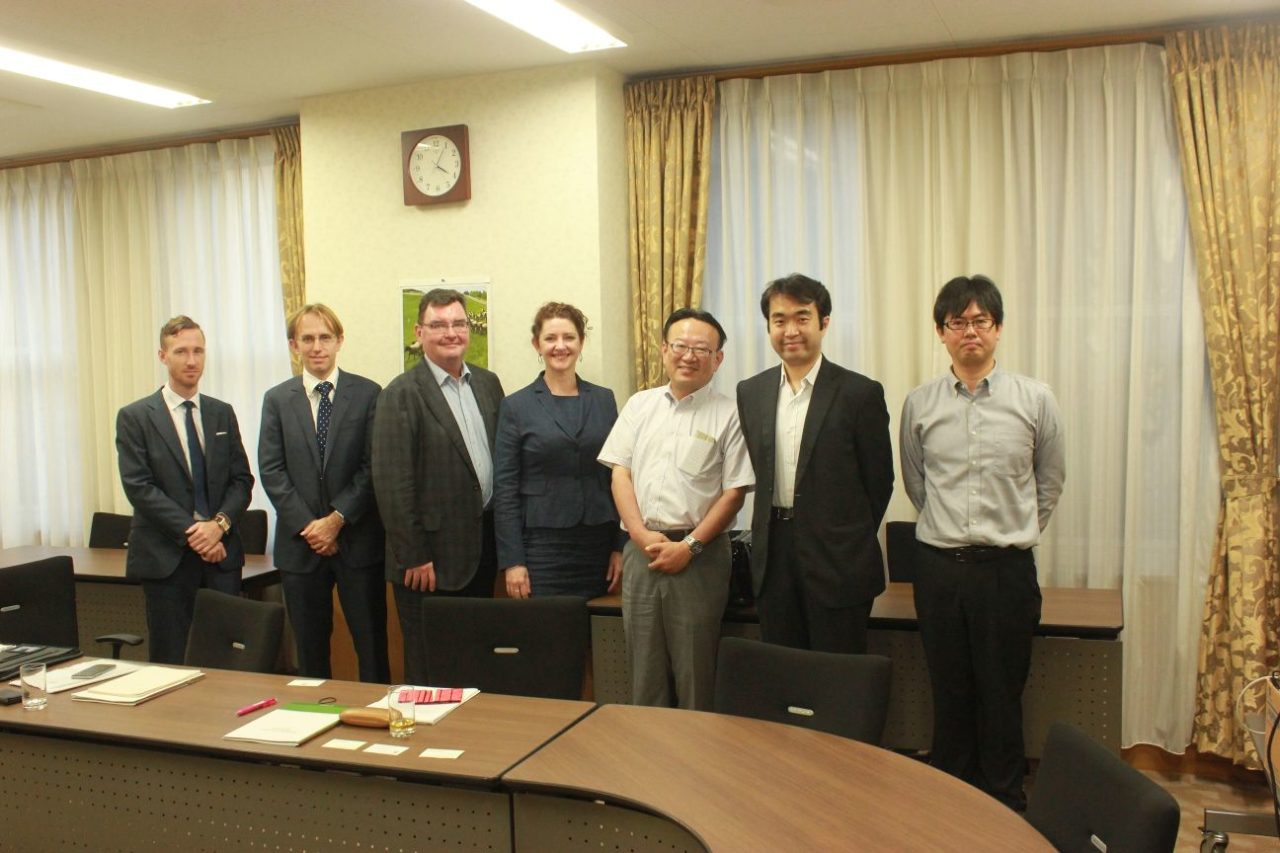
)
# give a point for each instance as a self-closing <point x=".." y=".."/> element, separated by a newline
<point x="435" y="165"/>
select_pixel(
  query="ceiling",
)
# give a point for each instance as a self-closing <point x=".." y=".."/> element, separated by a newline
<point x="256" y="59"/>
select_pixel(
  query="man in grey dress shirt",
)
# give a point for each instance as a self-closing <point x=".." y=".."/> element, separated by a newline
<point x="982" y="460"/>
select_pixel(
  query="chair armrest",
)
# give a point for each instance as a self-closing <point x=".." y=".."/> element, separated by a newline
<point x="118" y="640"/>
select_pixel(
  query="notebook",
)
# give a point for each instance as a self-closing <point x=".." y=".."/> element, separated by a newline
<point x="282" y="727"/>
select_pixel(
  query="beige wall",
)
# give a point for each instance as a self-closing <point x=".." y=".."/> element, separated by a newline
<point x="546" y="219"/>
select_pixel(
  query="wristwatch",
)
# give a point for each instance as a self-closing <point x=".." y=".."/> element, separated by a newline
<point x="695" y="547"/>
<point x="223" y="522"/>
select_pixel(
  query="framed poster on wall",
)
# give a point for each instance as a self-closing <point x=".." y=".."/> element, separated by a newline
<point x="476" y="291"/>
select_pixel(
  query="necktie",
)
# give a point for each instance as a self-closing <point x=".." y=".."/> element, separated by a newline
<point x="196" y="452"/>
<point x="322" y="417"/>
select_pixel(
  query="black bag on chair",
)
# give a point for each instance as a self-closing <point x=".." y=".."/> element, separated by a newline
<point x="740" y="593"/>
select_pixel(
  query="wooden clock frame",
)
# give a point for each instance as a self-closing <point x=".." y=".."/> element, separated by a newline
<point x="461" y="191"/>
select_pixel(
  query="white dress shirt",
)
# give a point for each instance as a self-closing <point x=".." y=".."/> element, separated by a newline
<point x="178" y="412"/>
<point x="309" y="384"/>
<point x="793" y="408"/>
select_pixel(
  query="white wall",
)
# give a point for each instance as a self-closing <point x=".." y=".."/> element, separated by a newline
<point x="546" y="219"/>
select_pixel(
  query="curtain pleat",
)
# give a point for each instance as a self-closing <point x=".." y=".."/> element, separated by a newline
<point x="288" y="180"/>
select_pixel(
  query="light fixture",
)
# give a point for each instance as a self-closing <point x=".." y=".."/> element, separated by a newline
<point x="54" y="71"/>
<point x="551" y="22"/>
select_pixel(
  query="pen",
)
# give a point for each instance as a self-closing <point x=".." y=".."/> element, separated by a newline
<point x="256" y="706"/>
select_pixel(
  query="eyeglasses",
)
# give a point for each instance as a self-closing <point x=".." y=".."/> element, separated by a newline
<point x="681" y="349"/>
<point x="439" y="326"/>
<point x="980" y="324"/>
<point x="326" y="340"/>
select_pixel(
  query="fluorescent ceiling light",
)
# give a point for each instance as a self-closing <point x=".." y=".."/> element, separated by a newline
<point x="551" y="22"/>
<point x="95" y="81"/>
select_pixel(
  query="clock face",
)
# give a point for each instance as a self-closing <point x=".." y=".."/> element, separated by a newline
<point x="435" y="165"/>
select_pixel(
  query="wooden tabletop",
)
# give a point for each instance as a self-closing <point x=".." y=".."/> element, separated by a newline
<point x="106" y="565"/>
<point x="1066" y="612"/>
<point x="742" y="784"/>
<point x="495" y="732"/>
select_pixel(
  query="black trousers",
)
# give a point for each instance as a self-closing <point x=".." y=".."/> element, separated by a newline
<point x="171" y="601"/>
<point x="976" y="622"/>
<point x="791" y="615"/>
<point x="480" y="586"/>
<point x="308" y="599"/>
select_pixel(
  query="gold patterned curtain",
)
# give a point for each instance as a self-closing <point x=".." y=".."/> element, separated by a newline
<point x="1226" y="87"/>
<point x="289" y="220"/>
<point x="669" y="170"/>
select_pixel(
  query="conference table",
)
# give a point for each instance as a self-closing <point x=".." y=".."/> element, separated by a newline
<point x="1077" y="662"/>
<point x="533" y="774"/>
<point x="107" y="602"/>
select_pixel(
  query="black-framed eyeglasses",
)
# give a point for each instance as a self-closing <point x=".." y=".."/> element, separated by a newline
<point x="980" y="324"/>
<point x="681" y="349"/>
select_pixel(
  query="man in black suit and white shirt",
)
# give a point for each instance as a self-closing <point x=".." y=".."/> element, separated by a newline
<point x="433" y="441"/>
<point x="818" y="436"/>
<point x="314" y="456"/>
<point x="184" y="469"/>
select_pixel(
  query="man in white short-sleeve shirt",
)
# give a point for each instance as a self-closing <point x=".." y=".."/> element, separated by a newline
<point x="680" y="474"/>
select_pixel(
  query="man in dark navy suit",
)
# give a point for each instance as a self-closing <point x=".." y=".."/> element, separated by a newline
<point x="184" y="469"/>
<point x="818" y="435"/>
<point x="314" y="456"/>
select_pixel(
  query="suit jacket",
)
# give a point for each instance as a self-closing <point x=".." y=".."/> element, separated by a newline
<point x="545" y="472"/>
<point x="157" y="481"/>
<point x="427" y="489"/>
<point x="844" y="477"/>
<point x="302" y="490"/>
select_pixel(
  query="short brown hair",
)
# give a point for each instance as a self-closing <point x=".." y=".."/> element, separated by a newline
<point x="181" y="323"/>
<point x="440" y="297"/>
<point x="560" y="311"/>
<point x="319" y="309"/>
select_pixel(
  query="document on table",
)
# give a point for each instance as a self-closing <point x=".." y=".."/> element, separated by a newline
<point x="282" y="727"/>
<point x="429" y="715"/>
<point x="61" y="679"/>
<point x="137" y="687"/>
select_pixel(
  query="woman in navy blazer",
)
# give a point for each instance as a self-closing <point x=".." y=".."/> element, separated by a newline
<point x="556" y="525"/>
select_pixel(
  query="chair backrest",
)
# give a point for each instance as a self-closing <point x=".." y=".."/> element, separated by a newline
<point x="846" y="695"/>
<point x="1083" y="790"/>
<point x="38" y="603"/>
<point x="109" y="530"/>
<point x="527" y="647"/>
<point x="229" y="632"/>
<point x="900" y="542"/>
<point x="253" y="531"/>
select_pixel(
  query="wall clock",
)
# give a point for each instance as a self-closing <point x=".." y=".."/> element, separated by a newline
<point x="436" y="164"/>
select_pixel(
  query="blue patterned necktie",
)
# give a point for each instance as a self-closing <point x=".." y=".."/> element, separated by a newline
<point x="196" y="452"/>
<point x="322" y="417"/>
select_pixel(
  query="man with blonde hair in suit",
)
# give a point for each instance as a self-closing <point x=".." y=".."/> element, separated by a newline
<point x="315" y="457"/>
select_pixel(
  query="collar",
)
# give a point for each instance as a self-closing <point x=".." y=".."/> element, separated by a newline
<point x="693" y="397"/>
<point x="991" y="381"/>
<point x="310" y="382"/>
<point x="442" y="376"/>
<point x="811" y="378"/>
<point x="173" y="399"/>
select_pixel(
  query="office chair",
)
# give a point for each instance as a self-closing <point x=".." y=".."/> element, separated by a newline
<point x="109" y="530"/>
<point x="846" y="695"/>
<point x="229" y="632"/>
<point x="253" y="531"/>
<point x="1084" y="791"/>
<point x="522" y="647"/>
<point x="38" y="606"/>
<point x="900" y="542"/>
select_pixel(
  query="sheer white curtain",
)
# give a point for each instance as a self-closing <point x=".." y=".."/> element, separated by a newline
<point x="1056" y="174"/>
<point x="188" y="230"/>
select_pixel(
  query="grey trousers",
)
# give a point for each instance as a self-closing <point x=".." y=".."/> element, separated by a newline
<point x="672" y="624"/>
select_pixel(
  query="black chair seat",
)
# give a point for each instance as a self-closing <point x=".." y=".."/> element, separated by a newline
<point x="1083" y="791"/>
<point x="846" y="695"/>
<point x="38" y="603"/>
<point x="109" y="530"/>
<point x="229" y="632"/>
<point x="527" y="647"/>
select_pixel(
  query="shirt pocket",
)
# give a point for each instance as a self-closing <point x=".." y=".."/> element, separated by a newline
<point x="694" y="455"/>
<point x="1012" y="451"/>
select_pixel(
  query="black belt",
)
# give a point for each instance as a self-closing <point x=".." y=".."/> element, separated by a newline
<point x="974" y="553"/>
<point x="676" y="535"/>
<point x="782" y="513"/>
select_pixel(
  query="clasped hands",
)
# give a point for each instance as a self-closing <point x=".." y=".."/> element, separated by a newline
<point x="205" y="538"/>
<point x="322" y="534"/>
<point x="664" y="555"/>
